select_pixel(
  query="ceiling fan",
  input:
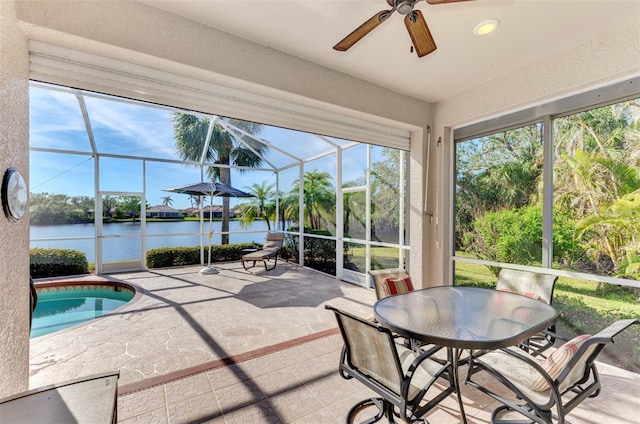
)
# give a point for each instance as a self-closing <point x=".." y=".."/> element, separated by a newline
<point x="413" y="20"/>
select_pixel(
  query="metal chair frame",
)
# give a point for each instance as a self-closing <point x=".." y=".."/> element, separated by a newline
<point x="390" y="403"/>
<point x="585" y="386"/>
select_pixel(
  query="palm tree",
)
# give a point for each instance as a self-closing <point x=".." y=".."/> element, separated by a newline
<point x="288" y="207"/>
<point x="261" y="206"/>
<point x="195" y="201"/>
<point x="225" y="148"/>
<point x="109" y="203"/>
<point x="597" y="182"/>
<point x="167" y="201"/>
<point x="319" y="197"/>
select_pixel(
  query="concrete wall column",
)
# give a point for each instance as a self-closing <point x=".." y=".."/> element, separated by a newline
<point x="14" y="236"/>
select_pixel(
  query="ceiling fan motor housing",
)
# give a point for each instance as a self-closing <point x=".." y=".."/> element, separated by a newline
<point x="404" y="7"/>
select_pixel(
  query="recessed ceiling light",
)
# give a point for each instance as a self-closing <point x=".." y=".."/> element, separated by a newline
<point x="486" y="27"/>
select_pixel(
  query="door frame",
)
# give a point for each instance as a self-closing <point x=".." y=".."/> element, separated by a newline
<point x="132" y="265"/>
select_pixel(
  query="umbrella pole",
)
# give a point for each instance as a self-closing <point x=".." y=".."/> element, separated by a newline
<point x="209" y="269"/>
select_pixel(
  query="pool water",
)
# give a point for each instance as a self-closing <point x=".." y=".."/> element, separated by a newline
<point x="63" y="307"/>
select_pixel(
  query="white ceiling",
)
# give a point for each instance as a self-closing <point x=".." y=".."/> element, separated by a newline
<point x="529" y="31"/>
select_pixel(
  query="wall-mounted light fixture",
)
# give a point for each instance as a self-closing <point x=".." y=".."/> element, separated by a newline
<point x="14" y="195"/>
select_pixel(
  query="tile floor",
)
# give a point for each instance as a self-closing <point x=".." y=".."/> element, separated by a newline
<point x="243" y="347"/>
<point x="301" y="385"/>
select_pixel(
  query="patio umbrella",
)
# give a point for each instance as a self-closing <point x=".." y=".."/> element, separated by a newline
<point x="213" y="189"/>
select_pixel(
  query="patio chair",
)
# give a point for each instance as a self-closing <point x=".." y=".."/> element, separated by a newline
<point x="393" y="281"/>
<point x="390" y="281"/>
<point x="399" y="376"/>
<point x="536" y="286"/>
<point x="561" y="382"/>
<point x="269" y="251"/>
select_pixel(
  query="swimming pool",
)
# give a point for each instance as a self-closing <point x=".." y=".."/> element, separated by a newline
<point x="66" y="305"/>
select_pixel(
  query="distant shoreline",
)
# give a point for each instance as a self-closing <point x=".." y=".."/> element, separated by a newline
<point x="119" y="221"/>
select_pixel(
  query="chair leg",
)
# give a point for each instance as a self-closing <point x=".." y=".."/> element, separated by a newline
<point x="496" y="417"/>
<point x="274" y="264"/>
<point x="246" y="268"/>
<point x="379" y="403"/>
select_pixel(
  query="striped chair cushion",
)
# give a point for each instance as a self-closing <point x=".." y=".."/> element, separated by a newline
<point x="554" y="364"/>
<point x="527" y="294"/>
<point x="397" y="285"/>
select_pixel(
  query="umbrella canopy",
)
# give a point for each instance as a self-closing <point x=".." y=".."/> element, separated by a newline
<point x="209" y="188"/>
<point x="213" y="189"/>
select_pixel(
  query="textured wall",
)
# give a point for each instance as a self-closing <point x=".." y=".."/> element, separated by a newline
<point x="613" y="57"/>
<point x="14" y="236"/>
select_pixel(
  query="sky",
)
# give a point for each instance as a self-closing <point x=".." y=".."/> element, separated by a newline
<point x="145" y="131"/>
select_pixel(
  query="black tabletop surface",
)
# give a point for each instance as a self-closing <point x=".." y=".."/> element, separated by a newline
<point x="465" y="317"/>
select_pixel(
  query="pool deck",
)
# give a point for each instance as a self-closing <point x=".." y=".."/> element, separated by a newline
<point x="182" y="319"/>
<point x="248" y="347"/>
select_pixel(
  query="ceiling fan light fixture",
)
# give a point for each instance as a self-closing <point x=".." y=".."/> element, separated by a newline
<point x="486" y="27"/>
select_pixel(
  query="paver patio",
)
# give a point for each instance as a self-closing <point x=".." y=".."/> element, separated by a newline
<point x="248" y="347"/>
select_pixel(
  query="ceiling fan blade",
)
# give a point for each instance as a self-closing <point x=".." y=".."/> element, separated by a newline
<point x="420" y="34"/>
<point x="362" y="30"/>
<point x="433" y="2"/>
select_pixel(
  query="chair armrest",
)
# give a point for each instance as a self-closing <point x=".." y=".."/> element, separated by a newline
<point x="424" y="356"/>
<point x="555" y="335"/>
<point x="607" y="335"/>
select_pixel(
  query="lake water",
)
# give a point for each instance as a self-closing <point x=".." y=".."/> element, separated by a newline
<point x="159" y="234"/>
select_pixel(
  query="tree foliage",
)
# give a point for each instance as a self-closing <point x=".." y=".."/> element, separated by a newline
<point x="385" y="192"/>
<point x="498" y="171"/>
<point x="47" y="208"/>
<point x="319" y="199"/>
<point x="261" y="206"/>
<point x="226" y="147"/>
<point x="53" y="209"/>
<point x="596" y="186"/>
<point x="515" y="236"/>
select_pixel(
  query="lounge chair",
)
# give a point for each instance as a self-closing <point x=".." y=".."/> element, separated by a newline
<point x="269" y="251"/>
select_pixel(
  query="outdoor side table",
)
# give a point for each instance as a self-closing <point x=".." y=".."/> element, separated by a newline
<point x="91" y="400"/>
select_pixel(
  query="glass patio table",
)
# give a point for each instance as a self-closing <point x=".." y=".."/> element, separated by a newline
<point x="464" y="318"/>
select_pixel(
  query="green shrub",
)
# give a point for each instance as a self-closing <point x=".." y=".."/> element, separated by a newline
<point x="57" y="262"/>
<point x="319" y="253"/>
<point x="179" y="256"/>
<point x="515" y="236"/>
